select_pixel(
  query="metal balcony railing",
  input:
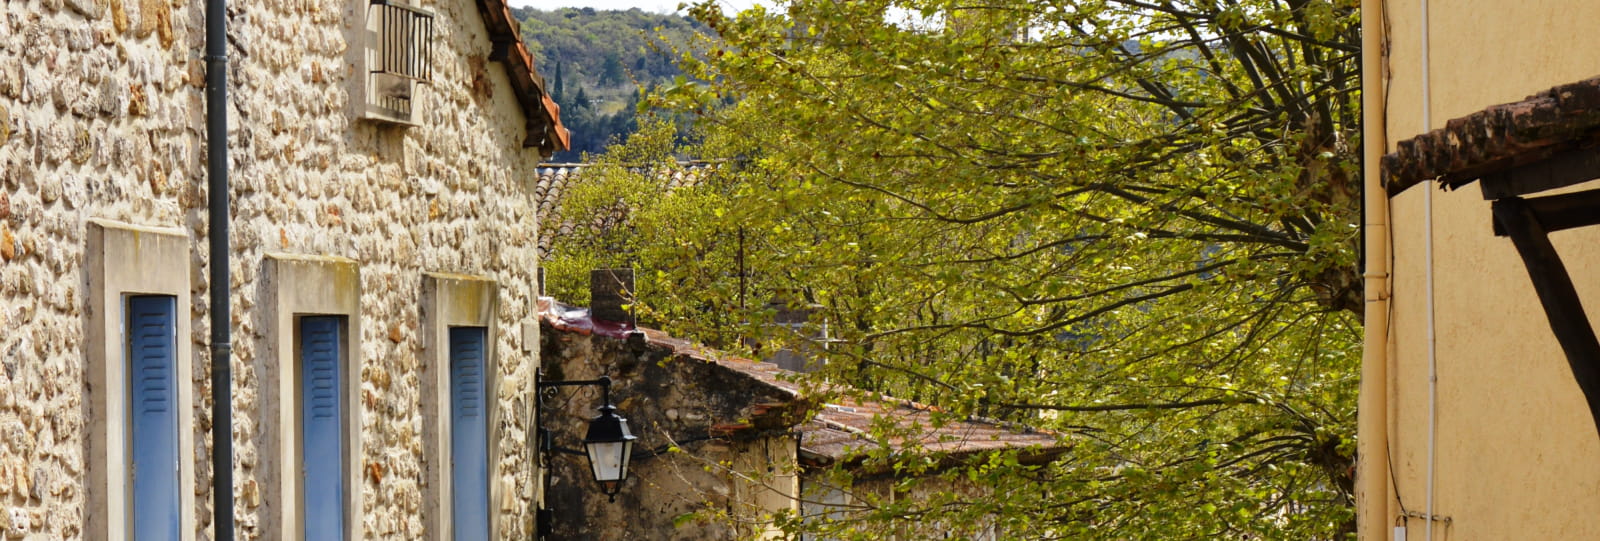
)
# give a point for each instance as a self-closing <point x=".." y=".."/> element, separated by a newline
<point x="403" y="53"/>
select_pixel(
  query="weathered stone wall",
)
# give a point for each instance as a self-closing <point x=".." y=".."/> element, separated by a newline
<point x="735" y="457"/>
<point x="102" y="116"/>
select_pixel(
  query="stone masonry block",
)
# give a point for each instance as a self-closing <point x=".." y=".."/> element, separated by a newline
<point x="88" y="8"/>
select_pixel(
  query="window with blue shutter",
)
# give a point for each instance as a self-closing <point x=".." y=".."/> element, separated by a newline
<point x="152" y="346"/>
<point x="321" y="427"/>
<point x="469" y="440"/>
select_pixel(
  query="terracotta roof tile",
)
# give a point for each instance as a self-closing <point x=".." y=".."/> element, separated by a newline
<point x="555" y="179"/>
<point x="840" y="432"/>
<point x="545" y="131"/>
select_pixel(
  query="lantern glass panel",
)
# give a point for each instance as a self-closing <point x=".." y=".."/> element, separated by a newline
<point x="609" y="459"/>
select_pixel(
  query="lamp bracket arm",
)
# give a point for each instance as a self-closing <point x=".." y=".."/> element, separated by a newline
<point x="604" y="382"/>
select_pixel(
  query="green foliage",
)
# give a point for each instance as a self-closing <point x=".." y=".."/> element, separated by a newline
<point x="627" y="212"/>
<point x="1132" y="223"/>
<point x="611" y="71"/>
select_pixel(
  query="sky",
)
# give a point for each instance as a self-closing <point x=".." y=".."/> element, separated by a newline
<point x="654" y="6"/>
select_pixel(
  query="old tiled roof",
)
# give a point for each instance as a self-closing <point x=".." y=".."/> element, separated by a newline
<point x="839" y="430"/>
<point x="1498" y="138"/>
<point x="555" y="179"/>
<point x="545" y="131"/>
<point x="547" y="192"/>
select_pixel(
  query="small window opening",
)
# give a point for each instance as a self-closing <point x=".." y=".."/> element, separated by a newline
<point x="402" y="56"/>
<point x="155" y="465"/>
<point x="322" y="424"/>
<point x="469" y="395"/>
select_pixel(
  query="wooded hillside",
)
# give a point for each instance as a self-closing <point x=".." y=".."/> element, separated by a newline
<point x="597" y="61"/>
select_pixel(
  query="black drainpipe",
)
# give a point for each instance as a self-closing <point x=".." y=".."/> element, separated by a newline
<point x="217" y="233"/>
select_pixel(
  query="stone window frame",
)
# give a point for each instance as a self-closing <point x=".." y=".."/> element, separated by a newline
<point x="121" y="260"/>
<point x="297" y="285"/>
<point x="455" y="300"/>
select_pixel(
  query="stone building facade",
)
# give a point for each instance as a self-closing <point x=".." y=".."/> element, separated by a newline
<point x="395" y="226"/>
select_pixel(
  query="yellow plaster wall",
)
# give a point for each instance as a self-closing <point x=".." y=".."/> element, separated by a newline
<point x="1517" y="454"/>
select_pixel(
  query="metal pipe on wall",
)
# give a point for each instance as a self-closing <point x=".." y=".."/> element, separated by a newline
<point x="219" y="285"/>
<point x="1373" y="497"/>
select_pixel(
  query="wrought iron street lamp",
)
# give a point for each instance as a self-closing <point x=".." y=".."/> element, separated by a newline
<point x="608" y="444"/>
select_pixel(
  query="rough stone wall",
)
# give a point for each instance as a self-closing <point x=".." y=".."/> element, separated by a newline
<point x="102" y="116"/>
<point x="710" y="488"/>
<point x="95" y="121"/>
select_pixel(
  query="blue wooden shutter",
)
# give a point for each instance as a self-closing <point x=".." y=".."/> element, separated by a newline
<point x="321" y="428"/>
<point x="469" y="441"/>
<point x="152" y="351"/>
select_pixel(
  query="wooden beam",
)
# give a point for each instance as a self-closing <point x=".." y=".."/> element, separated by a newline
<point x="1565" y="211"/>
<point x="499" y="50"/>
<point x="1540" y="173"/>
<point x="1560" y="299"/>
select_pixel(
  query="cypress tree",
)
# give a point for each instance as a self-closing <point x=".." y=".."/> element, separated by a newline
<point x="560" y="92"/>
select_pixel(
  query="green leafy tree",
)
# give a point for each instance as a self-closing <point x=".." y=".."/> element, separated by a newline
<point x="1133" y="223"/>
<point x="611" y="72"/>
<point x="581" y="100"/>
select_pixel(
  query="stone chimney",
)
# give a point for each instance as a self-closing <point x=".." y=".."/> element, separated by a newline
<point x="609" y="290"/>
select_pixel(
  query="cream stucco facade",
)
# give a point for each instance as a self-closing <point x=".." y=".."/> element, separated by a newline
<point x="1489" y="434"/>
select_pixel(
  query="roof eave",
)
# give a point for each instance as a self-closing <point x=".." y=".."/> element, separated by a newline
<point x="545" y="131"/>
